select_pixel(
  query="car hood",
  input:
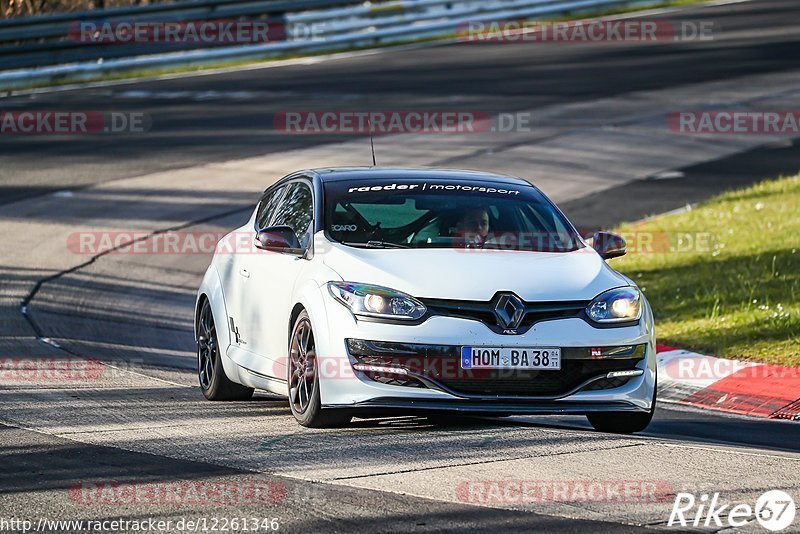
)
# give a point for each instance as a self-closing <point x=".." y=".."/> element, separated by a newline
<point x="477" y="274"/>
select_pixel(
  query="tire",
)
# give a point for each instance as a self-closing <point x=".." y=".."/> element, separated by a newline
<point x="214" y="383"/>
<point x="622" y="422"/>
<point x="303" y="380"/>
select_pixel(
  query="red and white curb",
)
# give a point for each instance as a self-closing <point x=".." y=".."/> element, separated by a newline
<point x="754" y="389"/>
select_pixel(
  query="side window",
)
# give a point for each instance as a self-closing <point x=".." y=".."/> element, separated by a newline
<point x="296" y="211"/>
<point x="267" y="207"/>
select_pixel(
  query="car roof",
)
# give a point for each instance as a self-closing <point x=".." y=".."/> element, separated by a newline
<point x="332" y="174"/>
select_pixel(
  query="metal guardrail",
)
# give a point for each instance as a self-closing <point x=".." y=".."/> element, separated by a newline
<point x="44" y="43"/>
<point x="49" y="40"/>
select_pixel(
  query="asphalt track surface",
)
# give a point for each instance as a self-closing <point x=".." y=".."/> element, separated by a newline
<point x="227" y="116"/>
<point x="379" y="475"/>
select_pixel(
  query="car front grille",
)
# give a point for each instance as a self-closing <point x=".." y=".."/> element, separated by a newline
<point x="484" y="311"/>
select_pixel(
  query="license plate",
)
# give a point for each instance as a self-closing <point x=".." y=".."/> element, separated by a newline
<point x="511" y="358"/>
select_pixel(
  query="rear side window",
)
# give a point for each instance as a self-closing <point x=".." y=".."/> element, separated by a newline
<point x="296" y="210"/>
<point x="267" y="207"/>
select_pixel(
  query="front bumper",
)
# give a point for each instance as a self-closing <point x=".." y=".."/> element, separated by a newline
<point x="581" y="386"/>
<point x="489" y="407"/>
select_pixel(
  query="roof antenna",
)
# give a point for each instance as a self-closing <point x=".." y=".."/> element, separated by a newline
<point x="371" y="143"/>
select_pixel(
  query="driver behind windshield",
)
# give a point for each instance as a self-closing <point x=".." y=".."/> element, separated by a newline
<point x="473" y="226"/>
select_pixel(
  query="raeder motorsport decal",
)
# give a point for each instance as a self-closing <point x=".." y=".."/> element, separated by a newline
<point x="433" y="187"/>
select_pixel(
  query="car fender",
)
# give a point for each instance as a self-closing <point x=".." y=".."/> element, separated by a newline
<point x="211" y="287"/>
<point x="650" y="327"/>
<point x="311" y="294"/>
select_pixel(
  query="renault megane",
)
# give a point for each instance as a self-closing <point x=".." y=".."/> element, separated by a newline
<point x="357" y="291"/>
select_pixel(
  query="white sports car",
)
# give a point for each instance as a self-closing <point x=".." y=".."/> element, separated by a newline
<point x="362" y="291"/>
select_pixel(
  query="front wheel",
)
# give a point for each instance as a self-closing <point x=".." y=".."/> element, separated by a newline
<point x="304" y="396"/>
<point x="214" y="383"/>
<point x="622" y="422"/>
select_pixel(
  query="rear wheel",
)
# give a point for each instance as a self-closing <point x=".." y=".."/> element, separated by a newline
<point x="304" y="396"/>
<point x="622" y="422"/>
<point x="214" y="383"/>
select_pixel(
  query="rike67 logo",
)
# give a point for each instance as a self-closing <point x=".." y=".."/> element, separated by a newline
<point x="774" y="510"/>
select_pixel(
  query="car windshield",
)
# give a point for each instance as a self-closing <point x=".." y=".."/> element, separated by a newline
<point x="445" y="214"/>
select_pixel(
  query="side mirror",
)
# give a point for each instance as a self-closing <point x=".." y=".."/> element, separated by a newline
<point x="278" y="239"/>
<point x="609" y="245"/>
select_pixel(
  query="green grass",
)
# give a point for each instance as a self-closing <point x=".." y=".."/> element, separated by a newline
<point x="738" y="294"/>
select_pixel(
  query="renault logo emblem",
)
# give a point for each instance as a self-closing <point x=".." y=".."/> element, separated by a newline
<point x="509" y="311"/>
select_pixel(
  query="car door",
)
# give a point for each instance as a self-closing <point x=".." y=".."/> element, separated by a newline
<point x="272" y="276"/>
<point x="237" y="268"/>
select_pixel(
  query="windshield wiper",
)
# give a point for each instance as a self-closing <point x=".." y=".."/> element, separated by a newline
<point x="374" y="244"/>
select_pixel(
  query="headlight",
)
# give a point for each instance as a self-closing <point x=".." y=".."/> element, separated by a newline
<point x="616" y="306"/>
<point x="374" y="301"/>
